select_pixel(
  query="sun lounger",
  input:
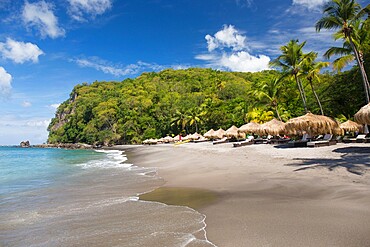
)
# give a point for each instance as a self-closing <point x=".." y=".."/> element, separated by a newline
<point x="243" y="143"/>
<point x="223" y="140"/>
<point x="260" y="140"/>
<point x="359" y="139"/>
<point x="317" y="143"/>
<point x="300" y="143"/>
<point x="202" y="139"/>
<point x="279" y="141"/>
<point x="326" y="141"/>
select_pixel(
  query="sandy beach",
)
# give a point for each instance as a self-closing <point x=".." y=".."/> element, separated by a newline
<point x="269" y="196"/>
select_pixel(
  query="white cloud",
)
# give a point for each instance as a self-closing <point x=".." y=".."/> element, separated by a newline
<point x="5" y="82"/>
<point x="54" y="106"/>
<point x="79" y="8"/>
<point x="107" y="69"/>
<point x="38" y="123"/>
<point x="228" y="37"/>
<point x="118" y="70"/>
<point x="310" y="4"/>
<point x="20" y="52"/>
<point x="26" y="104"/>
<point x="243" y="61"/>
<point x="228" y="49"/>
<point x="41" y="16"/>
<point x="240" y="61"/>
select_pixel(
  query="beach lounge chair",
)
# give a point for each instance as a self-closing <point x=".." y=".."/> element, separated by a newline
<point x="202" y="139"/>
<point x="223" y="140"/>
<point x="359" y="139"/>
<point x="326" y="141"/>
<point x="300" y="143"/>
<point x="261" y="140"/>
<point x="248" y="141"/>
<point x="278" y="140"/>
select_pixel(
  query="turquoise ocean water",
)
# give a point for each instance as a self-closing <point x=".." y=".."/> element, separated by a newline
<point x="57" y="197"/>
<point x="25" y="169"/>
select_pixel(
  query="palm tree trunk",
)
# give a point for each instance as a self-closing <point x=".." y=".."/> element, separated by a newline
<point x="365" y="76"/>
<point x="301" y="93"/>
<point x="277" y="113"/>
<point x="317" y="97"/>
<point x="362" y="70"/>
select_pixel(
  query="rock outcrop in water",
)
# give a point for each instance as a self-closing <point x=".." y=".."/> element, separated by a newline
<point x="25" y="144"/>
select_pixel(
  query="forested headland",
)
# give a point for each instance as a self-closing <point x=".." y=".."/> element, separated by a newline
<point x="154" y="105"/>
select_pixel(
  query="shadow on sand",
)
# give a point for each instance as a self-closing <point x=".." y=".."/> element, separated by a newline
<point x="355" y="160"/>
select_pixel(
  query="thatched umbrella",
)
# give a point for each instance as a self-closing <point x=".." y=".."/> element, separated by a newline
<point x="273" y="127"/>
<point x="146" y="141"/>
<point x="218" y="134"/>
<point x="167" y="139"/>
<point x="150" y="141"/>
<point x="232" y="132"/>
<point x="363" y="115"/>
<point x="209" y="134"/>
<point x="251" y="127"/>
<point x="351" y="126"/>
<point x="193" y="137"/>
<point x="313" y="124"/>
<point x="241" y="135"/>
<point x="187" y="137"/>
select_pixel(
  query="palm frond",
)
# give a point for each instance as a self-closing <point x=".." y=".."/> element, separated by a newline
<point x="328" y="22"/>
<point x="340" y="63"/>
<point x="339" y="51"/>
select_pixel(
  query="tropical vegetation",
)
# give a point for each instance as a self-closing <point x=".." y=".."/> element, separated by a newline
<point x="172" y="102"/>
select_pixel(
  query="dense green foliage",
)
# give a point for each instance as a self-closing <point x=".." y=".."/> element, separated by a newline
<point x="184" y="101"/>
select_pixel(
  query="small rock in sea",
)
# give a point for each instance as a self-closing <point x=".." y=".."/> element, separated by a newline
<point x="25" y="144"/>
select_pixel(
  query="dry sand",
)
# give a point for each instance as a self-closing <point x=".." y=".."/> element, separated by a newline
<point x="272" y="196"/>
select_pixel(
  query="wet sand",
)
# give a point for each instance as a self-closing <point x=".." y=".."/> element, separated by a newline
<point x="268" y="196"/>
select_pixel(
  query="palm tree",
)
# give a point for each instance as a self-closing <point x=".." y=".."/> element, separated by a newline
<point x="268" y="92"/>
<point x="311" y="69"/>
<point x="343" y="15"/>
<point x="179" y="120"/>
<point x="291" y="61"/>
<point x="194" y="117"/>
<point x="359" y="36"/>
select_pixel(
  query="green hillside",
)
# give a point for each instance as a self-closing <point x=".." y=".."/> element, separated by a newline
<point x="184" y="101"/>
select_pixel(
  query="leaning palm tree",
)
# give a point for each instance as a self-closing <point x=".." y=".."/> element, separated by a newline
<point x="360" y="33"/>
<point x="343" y="15"/>
<point x="291" y="61"/>
<point x="311" y="69"/>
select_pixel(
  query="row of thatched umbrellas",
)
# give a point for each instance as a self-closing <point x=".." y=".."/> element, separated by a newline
<point x="309" y="123"/>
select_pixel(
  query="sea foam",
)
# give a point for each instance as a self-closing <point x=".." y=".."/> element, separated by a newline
<point x="113" y="159"/>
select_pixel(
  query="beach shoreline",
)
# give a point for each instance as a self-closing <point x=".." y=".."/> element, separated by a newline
<point x="267" y="196"/>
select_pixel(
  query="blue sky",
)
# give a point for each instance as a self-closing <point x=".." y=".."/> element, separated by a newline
<point x="47" y="47"/>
